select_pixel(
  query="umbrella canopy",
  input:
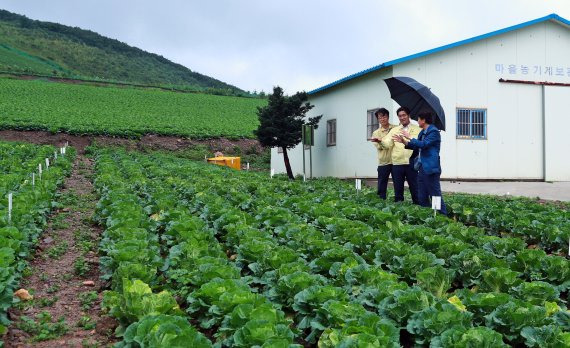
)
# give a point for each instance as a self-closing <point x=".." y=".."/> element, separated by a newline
<point x="416" y="97"/>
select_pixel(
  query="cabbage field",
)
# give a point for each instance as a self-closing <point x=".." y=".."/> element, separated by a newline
<point x="197" y="255"/>
<point x="124" y="112"/>
<point x="202" y="256"/>
<point x="32" y="199"/>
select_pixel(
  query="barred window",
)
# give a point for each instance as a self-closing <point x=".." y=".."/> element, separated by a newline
<point x="331" y="132"/>
<point x="471" y="123"/>
<point x="372" y="123"/>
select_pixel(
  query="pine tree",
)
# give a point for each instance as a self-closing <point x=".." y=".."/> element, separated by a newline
<point x="280" y="122"/>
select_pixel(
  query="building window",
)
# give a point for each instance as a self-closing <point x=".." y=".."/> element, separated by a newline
<point x="372" y="123"/>
<point x="331" y="132"/>
<point x="471" y="123"/>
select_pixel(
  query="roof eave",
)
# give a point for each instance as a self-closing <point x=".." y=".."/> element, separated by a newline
<point x="551" y="17"/>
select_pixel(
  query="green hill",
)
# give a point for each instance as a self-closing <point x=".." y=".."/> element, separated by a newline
<point x="44" y="48"/>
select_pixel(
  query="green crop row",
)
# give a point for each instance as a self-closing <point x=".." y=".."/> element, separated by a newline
<point x="32" y="199"/>
<point x="544" y="225"/>
<point x="123" y="112"/>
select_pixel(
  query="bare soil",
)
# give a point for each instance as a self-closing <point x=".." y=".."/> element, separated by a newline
<point x="153" y="142"/>
<point x="69" y="240"/>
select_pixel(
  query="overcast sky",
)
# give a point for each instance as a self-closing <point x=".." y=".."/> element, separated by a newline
<point x="299" y="45"/>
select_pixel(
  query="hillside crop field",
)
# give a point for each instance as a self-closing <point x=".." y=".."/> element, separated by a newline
<point x="197" y="255"/>
<point x="123" y="112"/>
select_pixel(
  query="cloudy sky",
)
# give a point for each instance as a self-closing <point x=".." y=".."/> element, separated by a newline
<point x="297" y="44"/>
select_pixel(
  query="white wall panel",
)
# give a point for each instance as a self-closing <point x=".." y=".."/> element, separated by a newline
<point x="466" y="76"/>
<point x="557" y="139"/>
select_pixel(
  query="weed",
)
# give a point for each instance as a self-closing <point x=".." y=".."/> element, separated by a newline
<point x="43" y="329"/>
<point x="23" y="305"/>
<point x="84" y="240"/>
<point x="26" y="272"/>
<point x="47" y="302"/>
<point x="69" y="198"/>
<point x="86" y="245"/>
<point x="86" y="220"/>
<point x="89" y="344"/>
<point x="86" y="322"/>
<point x="67" y="276"/>
<point x="58" y="250"/>
<point x="81" y="266"/>
<point x="87" y="299"/>
<point x="53" y="288"/>
<point x="59" y="223"/>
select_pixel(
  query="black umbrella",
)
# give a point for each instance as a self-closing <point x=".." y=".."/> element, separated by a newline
<point x="416" y="97"/>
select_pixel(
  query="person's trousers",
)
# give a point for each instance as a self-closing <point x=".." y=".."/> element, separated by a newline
<point x="383" y="174"/>
<point x="400" y="174"/>
<point x="429" y="186"/>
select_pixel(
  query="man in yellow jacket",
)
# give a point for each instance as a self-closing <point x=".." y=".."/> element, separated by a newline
<point x="402" y="158"/>
<point x="384" y="154"/>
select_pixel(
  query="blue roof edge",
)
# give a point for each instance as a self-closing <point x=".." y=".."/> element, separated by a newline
<point x="552" y="16"/>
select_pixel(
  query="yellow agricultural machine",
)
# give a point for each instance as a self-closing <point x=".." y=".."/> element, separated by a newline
<point x="232" y="162"/>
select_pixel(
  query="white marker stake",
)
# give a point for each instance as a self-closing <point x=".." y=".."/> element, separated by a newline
<point x="10" y="207"/>
<point x="358" y="184"/>
<point x="272" y="172"/>
<point x="33" y="179"/>
<point x="304" y="178"/>
<point x="40" y="170"/>
<point x="64" y="149"/>
<point x="247" y="166"/>
<point x="435" y="204"/>
<point x="47" y="163"/>
<point x="55" y="155"/>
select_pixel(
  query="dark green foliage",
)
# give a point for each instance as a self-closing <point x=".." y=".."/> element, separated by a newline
<point x="281" y="121"/>
<point x="60" y="50"/>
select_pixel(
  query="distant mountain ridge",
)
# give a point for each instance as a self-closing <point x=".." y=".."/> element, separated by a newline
<point x="45" y="48"/>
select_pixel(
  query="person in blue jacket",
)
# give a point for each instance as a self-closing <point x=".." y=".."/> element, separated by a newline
<point x="427" y="162"/>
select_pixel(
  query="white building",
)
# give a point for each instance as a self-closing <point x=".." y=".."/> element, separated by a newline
<point x="506" y="96"/>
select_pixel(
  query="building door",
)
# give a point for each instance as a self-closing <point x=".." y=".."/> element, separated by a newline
<point x="557" y="133"/>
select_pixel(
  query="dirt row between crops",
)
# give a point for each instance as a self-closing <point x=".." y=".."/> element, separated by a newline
<point x="64" y="277"/>
<point x="152" y="142"/>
